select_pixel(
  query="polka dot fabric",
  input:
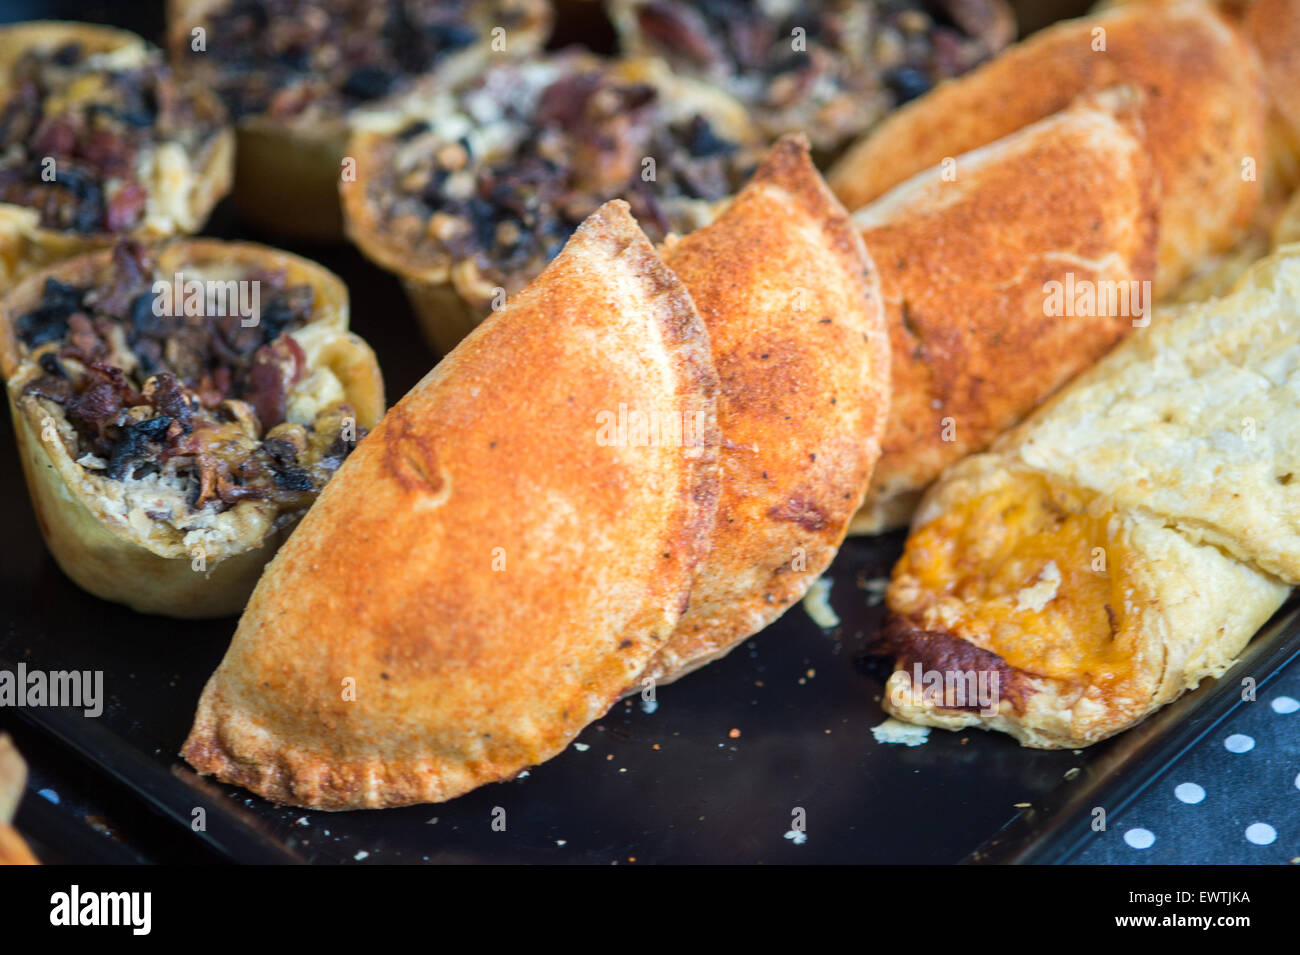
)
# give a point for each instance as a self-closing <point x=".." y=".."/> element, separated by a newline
<point x="1233" y="799"/>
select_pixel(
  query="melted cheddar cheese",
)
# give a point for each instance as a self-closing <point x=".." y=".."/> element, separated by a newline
<point x="1032" y="572"/>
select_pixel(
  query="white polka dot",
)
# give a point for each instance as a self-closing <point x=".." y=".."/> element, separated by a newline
<point x="1140" y="838"/>
<point x="1285" y="704"/>
<point x="1239" y="743"/>
<point x="1297" y="781"/>
<point x="1189" y="793"/>
<point x="1261" y="833"/>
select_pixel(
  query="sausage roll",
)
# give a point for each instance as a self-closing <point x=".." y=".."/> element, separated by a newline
<point x="292" y="72"/>
<point x="178" y="410"/>
<point x="101" y="142"/>
<point x="1123" y="543"/>
<point x="828" y="68"/>
<point x="799" y="340"/>
<point x="1204" y="111"/>
<point x="970" y="256"/>
<point x="415" y="638"/>
<point x="467" y="196"/>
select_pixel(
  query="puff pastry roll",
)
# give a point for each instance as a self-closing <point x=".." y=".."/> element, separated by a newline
<point x="416" y="638"/>
<point x="1122" y="544"/>
<point x="467" y="193"/>
<point x="292" y="72"/>
<point x="101" y="142"/>
<point x="969" y="258"/>
<point x="1205" y="114"/>
<point x="799" y="339"/>
<point x="827" y="68"/>
<point x="177" y="410"/>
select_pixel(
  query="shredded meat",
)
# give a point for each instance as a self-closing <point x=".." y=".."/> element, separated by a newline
<point x="75" y="132"/>
<point x="202" y="399"/>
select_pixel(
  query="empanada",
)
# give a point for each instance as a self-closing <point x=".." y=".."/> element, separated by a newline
<point x="292" y="73"/>
<point x="466" y="195"/>
<point x="177" y="409"/>
<point x="1123" y="543"/>
<point x="1204" y="110"/>
<point x="972" y="256"/>
<point x="418" y="636"/>
<point x="101" y="142"/>
<point x="802" y="351"/>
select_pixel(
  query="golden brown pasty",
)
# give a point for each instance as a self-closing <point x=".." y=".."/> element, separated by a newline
<point x="292" y="73"/>
<point x="467" y="195"/>
<point x="415" y="638"/>
<point x="178" y="409"/>
<point x="792" y="304"/>
<point x="1123" y="543"/>
<point x="101" y="142"/>
<point x="1004" y="275"/>
<point x="1204" y="110"/>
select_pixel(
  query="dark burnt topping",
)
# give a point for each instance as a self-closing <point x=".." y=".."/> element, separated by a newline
<point x="200" y="399"/>
<point x="94" y="122"/>
<point x="860" y="59"/>
<point x="947" y="653"/>
<point x="586" y="140"/>
<point x="280" y="57"/>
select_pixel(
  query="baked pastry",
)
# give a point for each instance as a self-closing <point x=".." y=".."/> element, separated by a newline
<point x="414" y="638"/>
<point x="101" y="142"/>
<point x="292" y="72"/>
<point x="13" y="778"/>
<point x="799" y="339"/>
<point x="467" y="195"/>
<point x="827" y="68"/>
<point x="1205" y="111"/>
<point x="969" y="257"/>
<point x="177" y="410"/>
<point x="1123" y="543"/>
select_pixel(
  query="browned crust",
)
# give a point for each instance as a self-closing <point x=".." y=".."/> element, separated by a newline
<point x="964" y="266"/>
<point x="465" y="674"/>
<point x="792" y="303"/>
<point x="1204" y="111"/>
<point x="25" y="245"/>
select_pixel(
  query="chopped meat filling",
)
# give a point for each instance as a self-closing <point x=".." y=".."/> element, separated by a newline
<point x="827" y="67"/>
<point x="78" y="129"/>
<point x="281" y="57"/>
<point x="200" y="400"/>
<point x="503" y="178"/>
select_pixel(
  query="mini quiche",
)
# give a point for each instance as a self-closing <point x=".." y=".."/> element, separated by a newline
<point x="467" y="196"/>
<point x="177" y="410"/>
<point x="825" y="68"/>
<point x="292" y="72"/>
<point x="1122" y="544"/>
<point x="100" y="142"/>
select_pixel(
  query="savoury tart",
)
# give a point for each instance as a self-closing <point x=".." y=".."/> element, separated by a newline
<point x="467" y="196"/>
<point x="828" y="69"/>
<point x="102" y="142"/>
<point x="178" y="409"/>
<point x="293" y="72"/>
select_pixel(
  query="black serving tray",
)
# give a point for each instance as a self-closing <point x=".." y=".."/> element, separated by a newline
<point x="716" y="773"/>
